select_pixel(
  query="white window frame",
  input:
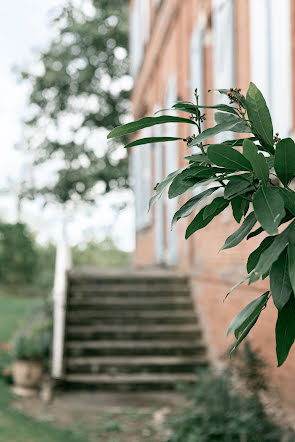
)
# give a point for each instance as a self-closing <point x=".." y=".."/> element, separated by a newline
<point x="171" y="160"/>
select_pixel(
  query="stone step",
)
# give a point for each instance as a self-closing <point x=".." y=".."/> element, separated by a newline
<point x="130" y="381"/>
<point x="123" y="289"/>
<point x="136" y="332"/>
<point x="82" y="275"/>
<point x="91" y="317"/>
<point x="148" y="347"/>
<point x="130" y="302"/>
<point x="137" y="364"/>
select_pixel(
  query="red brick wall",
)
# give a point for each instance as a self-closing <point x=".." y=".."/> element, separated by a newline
<point x="212" y="273"/>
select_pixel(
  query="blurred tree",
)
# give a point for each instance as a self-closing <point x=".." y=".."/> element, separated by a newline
<point x="80" y="89"/>
<point x="18" y="254"/>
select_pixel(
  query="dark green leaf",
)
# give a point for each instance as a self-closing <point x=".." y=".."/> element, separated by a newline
<point x="259" y="116"/>
<point x="250" y="311"/>
<point x="160" y="187"/>
<point x="188" y="178"/>
<point x="134" y="126"/>
<point x="235" y="239"/>
<point x="285" y="330"/>
<point x="237" y="187"/>
<point x="255" y="255"/>
<point x="284" y="163"/>
<point x="198" y="158"/>
<point x="269" y="209"/>
<point x="199" y="222"/>
<point x="245" y="333"/>
<point x="280" y="285"/>
<point x="289" y="199"/>
<point x="238" y="142"/>
<point x="269" y="256"/>
<point x="151" y="140"/>
<point x="236" y="205"/>
<point x="225" y="156"/>
<point x="211" y="132"/>
<point x="291" y="263"/>
<point x="236" y="285"/>
<point x="191" y="204"/>
<point x="255" y="233"/>
<point x="257" y="160"/>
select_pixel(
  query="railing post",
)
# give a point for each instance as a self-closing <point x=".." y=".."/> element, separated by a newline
<point x="63" y="264"/>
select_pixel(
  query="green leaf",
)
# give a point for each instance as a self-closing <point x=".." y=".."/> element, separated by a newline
<point x="225" y="156"/>
<point x="259" y="116"/>
<point x="285" y="330"/>
<point x="241" y="126"/>
<point x="236" y="285"/>
<point x="248" y="313"/>
<point x="235" y="239"/>
<point x="221" y="107"/>
<point x="211" y="132"/>
<point x="134" y="126"/>
<point x="269" y="209"/>
<point x="151" y="140"/>
<point x="237" y="208"/>
<point x="245" y="333"/>
<point x="218" y="204"/>
<point x="198" y="158"/>
<point x="280" y="285"/>
<point x="237" y="187"/>
<point x="189" y="178"/>
<point x="191" y="204"/>
<point x="257" y="160"/>
<point x="284" y="163"/>
<point x="160" y="187"/>
<point x="289" y="199"/>
<point x="238" y="142"/>
<point x="269" y="256"/>
<point x="291" y="263"/>
<point x="255" y="255"/>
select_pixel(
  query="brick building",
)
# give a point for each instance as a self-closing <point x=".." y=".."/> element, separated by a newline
<point x="177" y="45"/>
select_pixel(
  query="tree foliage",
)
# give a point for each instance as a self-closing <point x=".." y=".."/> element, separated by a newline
<point x="81" y="86"/>
<point x="257" y="183"/>
<point x="18" y="254"/>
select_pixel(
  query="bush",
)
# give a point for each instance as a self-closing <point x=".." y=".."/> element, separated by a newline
<point x="220" y="412"/>
<point x="32" y="341"/>
<point x="100" y="254"/>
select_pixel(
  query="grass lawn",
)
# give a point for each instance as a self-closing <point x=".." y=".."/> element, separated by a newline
<point x="15" y="426"/>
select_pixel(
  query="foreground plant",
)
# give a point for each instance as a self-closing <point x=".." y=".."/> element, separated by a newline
<point x="256" y="183"/>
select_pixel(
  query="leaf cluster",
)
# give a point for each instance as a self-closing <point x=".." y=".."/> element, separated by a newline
<point x="255" y="180"/>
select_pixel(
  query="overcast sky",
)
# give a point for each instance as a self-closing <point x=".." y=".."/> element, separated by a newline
<point x="24" y="27"/>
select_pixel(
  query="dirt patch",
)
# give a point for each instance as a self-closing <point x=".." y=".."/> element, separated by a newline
<point x="109" y="417"/>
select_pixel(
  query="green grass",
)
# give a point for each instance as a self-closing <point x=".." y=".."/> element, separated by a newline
<point x="15" y="426"/>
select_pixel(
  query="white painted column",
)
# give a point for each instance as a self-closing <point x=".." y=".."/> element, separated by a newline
<point x="63" y="264"/>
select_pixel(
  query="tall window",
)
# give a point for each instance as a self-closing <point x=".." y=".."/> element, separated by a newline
<point x="270" y="48"/>
<point x="139" y="33"/>
<point x="223" y="49"/>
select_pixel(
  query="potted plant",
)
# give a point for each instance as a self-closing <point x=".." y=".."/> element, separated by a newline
<point x="30" y="351"/>
<point x="254" y="176"/>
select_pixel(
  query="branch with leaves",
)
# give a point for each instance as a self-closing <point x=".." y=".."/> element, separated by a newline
<point x="257" y="184"/>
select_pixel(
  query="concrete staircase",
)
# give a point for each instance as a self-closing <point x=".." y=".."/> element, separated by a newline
<point x="131" y="330"/>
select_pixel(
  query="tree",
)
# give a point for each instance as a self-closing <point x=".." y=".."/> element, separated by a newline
<point x="260" y="179"/>
<point x="18" y="254"/>
<point x="81" y="87"/>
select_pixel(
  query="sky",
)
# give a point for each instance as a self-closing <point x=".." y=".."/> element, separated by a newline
<point x="24" y="27"/>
